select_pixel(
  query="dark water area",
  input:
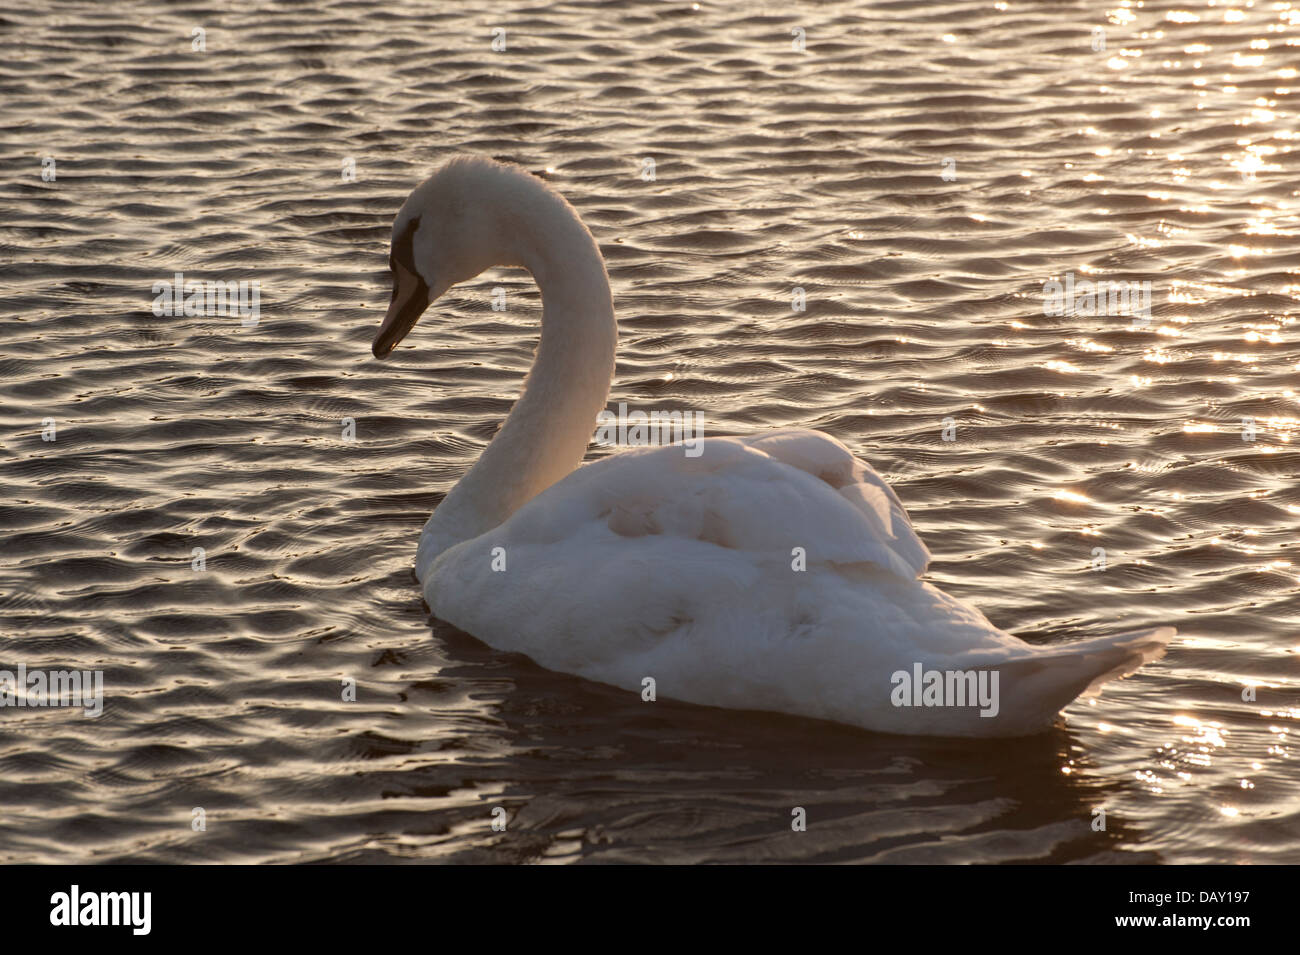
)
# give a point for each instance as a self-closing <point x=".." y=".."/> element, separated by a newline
<point x="1168" y="157"/>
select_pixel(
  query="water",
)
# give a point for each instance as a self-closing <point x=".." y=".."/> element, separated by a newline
<point x="1167" y="157"/>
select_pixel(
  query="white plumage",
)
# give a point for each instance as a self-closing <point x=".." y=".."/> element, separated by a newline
<point x="776" y="572"/>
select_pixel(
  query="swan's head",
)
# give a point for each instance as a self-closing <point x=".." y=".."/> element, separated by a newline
<point x="461" y="220"/>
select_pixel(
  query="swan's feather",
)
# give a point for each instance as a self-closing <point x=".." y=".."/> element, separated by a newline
<point x="776" y="573"/>
<point x="650" y="563"/>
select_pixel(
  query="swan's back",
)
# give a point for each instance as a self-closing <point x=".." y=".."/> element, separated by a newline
<point x="777" y="573"/>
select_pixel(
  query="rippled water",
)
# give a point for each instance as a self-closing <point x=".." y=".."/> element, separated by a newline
<point x="1165" y="157"/>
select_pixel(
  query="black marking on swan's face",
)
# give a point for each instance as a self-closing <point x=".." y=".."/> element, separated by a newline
<point x="410" y="292"/>
<point x="403" y="250"/>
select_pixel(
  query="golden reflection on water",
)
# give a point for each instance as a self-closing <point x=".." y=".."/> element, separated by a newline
<point x="1174" y="168"/>
<point x="1218" y="70"/>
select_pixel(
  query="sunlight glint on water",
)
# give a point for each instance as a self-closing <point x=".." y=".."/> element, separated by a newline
<point x="1166" y="157"/>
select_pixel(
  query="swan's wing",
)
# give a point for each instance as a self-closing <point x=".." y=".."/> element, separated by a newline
<point x="820" y="455"/>
<point x="651" y="564"/>
<point x="766" y="496"/>
<point x="651" y="561"/>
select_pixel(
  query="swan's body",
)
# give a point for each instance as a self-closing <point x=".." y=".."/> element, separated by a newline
<point x="777" y="572"/>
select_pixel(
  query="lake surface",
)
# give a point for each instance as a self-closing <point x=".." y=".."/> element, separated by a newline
<point x="919" y="170"/>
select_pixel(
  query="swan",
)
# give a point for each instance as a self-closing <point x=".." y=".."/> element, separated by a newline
<point x="652" y="564"/>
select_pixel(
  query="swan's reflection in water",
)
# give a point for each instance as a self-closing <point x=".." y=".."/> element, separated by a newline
<point x="591" y="773"/>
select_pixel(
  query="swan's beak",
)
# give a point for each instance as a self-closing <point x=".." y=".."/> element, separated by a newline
<point x="410" y="299"/>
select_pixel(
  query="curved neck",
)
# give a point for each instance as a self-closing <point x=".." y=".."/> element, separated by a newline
<point x="546" y="434"/>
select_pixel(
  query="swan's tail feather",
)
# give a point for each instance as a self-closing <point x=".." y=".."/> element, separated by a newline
<point x="1127" y="651"/>
<point x="1036" y="686"/>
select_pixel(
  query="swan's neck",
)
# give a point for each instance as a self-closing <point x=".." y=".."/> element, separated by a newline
<point x="546" y="434"/>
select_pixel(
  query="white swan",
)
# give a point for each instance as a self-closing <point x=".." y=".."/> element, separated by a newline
<point x="652" y="563"/>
